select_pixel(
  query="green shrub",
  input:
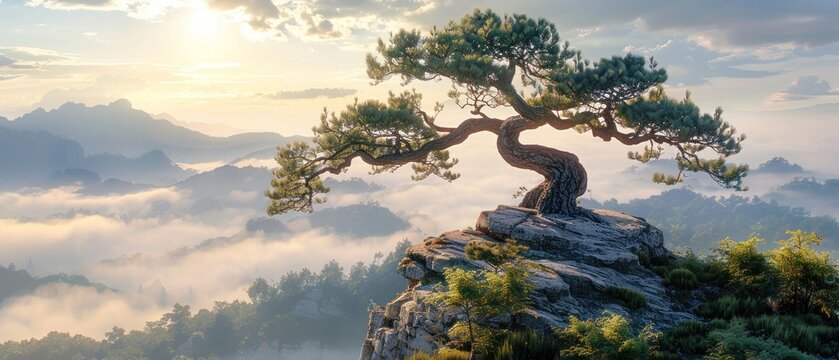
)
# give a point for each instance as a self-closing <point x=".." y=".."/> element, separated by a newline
<point x="629" y="298"/>
<point x="644" y="258"/>
<point x="442" y="354"/>
<point x="661" y="270"/>
<point x="689" y="337"/>
<point x="809" y="282"/>
<point x="750" y="273"/>
<point x="494" y="254"/>
<point x="728" y="307"/>
<point x="735" y="343"/>
<point x="705" y="270"/>
<point x="526" y="345"/>
<point x="690" y="261"/>
<point x="682" y="279"/>
<point x="607" y="337"/>
<point x="780" y="335"/>
<point x="808" y="333"/>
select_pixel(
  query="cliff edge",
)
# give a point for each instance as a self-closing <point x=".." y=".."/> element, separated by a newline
<point x="575" y="262"/>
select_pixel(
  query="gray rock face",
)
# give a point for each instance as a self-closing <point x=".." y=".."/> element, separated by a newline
<point x="576" y="260"/>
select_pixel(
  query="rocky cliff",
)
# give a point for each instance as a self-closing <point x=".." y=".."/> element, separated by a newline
<point x="574" y="263"/>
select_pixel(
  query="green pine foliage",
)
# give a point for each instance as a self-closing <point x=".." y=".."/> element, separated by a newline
<point x="607" y="337"/>
<point x="492" y="61"/>
<point x="480" y="295"/>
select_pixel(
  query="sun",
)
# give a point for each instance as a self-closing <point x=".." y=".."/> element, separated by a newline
<point x="203" y="24"/>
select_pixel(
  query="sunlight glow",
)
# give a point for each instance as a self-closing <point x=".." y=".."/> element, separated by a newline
<point x="204" y="24"/>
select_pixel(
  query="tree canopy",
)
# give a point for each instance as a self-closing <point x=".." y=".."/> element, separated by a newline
<point x="491" y="61"/>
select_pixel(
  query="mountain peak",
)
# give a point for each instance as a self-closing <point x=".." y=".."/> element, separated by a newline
<point x="68" y="106"/>
<point x="119" y="128"/>
<point x="121" y="103"/>
<point x="779" y="165"/>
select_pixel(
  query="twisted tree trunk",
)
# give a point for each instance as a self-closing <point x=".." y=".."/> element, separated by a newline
<point x="565" y="177"/>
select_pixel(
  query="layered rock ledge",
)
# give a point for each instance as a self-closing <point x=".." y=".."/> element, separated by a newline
<point x="574" y="262"/>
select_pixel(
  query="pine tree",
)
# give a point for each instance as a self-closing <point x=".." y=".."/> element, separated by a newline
<point x="618" y="98"/>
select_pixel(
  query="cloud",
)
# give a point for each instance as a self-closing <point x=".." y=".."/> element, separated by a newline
<point x="317" y="26"/>
<point x="73" y="3"/>
<point x="40" y="203"/>
<point x="197" y="278"/>
<point x="73" y="244"/>
<point x="751" y="24"/>
<point x="803" y="88"/>
<point x="140" y="9"/>
<point x="6" y="61"/>
<point x="312" y="93"/>
<point x="261" y="14"/>
<point x="32" y="54"/>
<point x="689" y="63"/>
<point x="105" y="90"/>
<point x="89" y="96"/>
<point x="360" y="8"/>
<point x="721" y="24"/>
<point x="261" y="19"/>
<point x="76" y="309"/>
<point x="164" y="252"/>
<point x="258" y="8"/>
<point x="4" y="77"/>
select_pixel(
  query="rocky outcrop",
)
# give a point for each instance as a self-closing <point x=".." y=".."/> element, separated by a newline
<point x="574" y="261"/>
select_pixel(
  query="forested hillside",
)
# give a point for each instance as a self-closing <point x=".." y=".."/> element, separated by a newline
<point x="692" y="220"/>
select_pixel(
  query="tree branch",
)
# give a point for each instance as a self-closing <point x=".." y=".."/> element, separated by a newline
<point x="454" y="137"/>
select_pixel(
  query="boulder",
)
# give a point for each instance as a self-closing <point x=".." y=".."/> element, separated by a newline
<point x="575" y="261"/>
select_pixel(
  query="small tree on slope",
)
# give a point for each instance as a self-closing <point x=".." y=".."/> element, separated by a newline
<point x="618" y="98"/>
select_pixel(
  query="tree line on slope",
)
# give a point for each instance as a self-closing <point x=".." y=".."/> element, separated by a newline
<point x="692" y="220"/>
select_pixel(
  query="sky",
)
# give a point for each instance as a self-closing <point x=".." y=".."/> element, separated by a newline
<point x="235" y="65"/>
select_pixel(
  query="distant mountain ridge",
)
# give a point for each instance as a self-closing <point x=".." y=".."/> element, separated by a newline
<point x="118" y="128"/>
<point x="41" y="159"/>
<point x="17" y="282"/>
<point x="778" y="165"/>
<point x="152" y="167"/>
<point x="28" y="157"/>
<point x="691" y="219"/>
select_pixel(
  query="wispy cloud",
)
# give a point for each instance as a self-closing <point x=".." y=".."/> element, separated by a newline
<point x="147" y="10"/>
<point x="689" y="63"/>
<point x="4" y="77"/>
<point x="6" y="61"/>
<point x="312" y="93"/>
<point x="803" y="88"/>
